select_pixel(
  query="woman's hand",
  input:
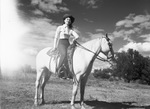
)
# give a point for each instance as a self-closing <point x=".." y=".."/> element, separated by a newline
<point x="54" y="49"/>
<point x="75" y="39"/>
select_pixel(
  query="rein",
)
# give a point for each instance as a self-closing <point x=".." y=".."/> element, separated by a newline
<point x="96" y="54"/>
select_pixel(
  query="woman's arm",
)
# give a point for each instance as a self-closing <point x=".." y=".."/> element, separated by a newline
<point x="56" y="38"/>
<point x="75" y="34"/>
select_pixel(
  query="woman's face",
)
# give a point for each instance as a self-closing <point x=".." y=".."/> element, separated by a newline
<point x="67" y="21"/>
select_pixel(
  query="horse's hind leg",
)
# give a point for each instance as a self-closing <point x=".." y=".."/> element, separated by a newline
<point x="37" y="84"/>
<point x="45" y="77"/>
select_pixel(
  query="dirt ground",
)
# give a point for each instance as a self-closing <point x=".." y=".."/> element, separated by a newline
<point x="18" y="93"/>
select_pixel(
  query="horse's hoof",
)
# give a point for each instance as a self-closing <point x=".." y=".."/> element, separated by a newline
<point x="82" y="107"/>
<point x="73" y="107"/>
<point x="42" y="102"/>
<point x="36" y="103"/>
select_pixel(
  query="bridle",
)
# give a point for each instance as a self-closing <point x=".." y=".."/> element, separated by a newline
<point x="96" y="54"/>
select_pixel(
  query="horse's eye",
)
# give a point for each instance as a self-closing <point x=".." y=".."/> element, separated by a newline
<point x="108" y="39"/>
<point x="110" y="44"/>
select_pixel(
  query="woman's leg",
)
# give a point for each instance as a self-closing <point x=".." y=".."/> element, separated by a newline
<point x="62" y="56"/>
<point x="62" y="47"/>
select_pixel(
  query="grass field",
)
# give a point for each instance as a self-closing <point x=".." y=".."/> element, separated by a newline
<point x="18" y="93"/>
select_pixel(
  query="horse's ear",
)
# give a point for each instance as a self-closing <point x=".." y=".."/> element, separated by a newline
<point x="106" y="35"/>
<point x="107" y="38"/>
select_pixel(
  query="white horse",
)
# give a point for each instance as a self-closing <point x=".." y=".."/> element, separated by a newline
<point x="83" y="59"/>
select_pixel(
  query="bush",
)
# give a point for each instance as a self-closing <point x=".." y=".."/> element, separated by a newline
<point x="104" y="74"/>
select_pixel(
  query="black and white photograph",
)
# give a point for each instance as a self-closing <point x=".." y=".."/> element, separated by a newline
<point x="75" y="54"/>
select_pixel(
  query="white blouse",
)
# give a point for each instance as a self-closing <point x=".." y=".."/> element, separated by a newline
<point x="63" y="32"/>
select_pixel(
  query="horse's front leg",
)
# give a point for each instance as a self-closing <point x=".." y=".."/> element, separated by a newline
<point x="82" y="91"/>
<point x="44" y="79"/>
<point x="74" y="93"/>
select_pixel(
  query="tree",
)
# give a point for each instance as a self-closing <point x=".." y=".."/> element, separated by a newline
<point x="121" y="65"/>
<point x="131" y="66"/>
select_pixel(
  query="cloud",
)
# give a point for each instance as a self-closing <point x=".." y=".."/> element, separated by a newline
<point x="132" y="29"/>
<point x="125" y="23"/>
<point x="90" y="21"/>
<point x="146" y="37"/>
<point x="90" y="3"/>
<point x="99" y="34"/>
<point x="145" y="25"/>
<point x="38" y="12"/>
<point x="43" y="26"/>
<point x="125" y="34"/>
<point x="133" y="25"/>
<point x="41" y="34"/>
<point x="99" y="30"/>
<point x="50" y="6"/>
<point x="141" y="47"/>
<point x="30" y="51"/>
<point x="141" y="19"/>
<point x="131" y="21"/>
<point x="94" y="36"/>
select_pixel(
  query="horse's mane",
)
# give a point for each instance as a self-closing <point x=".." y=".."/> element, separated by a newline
<point x="90" y="43"/>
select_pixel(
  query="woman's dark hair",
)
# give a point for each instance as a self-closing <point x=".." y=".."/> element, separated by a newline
<point x="71" y="18"/>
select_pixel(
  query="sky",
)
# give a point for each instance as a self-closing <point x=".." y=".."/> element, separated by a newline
<point x="27" y="26"/>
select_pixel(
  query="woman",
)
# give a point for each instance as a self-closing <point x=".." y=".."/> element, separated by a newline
<point x="62" y="35"/>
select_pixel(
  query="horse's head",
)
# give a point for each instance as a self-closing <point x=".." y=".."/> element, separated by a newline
<point x="106" y="48"/>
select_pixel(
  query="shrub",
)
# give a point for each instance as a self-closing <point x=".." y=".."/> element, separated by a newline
<point x="104" y="74"/>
